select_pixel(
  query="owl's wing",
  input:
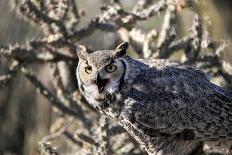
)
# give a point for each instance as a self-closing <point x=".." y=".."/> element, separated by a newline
<point x="180" y="100"/>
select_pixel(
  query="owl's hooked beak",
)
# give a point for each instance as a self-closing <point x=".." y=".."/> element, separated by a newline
<point x="101" y="83"/>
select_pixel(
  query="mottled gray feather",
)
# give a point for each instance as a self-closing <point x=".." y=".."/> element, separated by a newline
<point x="173" y="98"/>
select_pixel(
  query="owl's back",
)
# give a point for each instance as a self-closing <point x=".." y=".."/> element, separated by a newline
<point x="173" y="99"/>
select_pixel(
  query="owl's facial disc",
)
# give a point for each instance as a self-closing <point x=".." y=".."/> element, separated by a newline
<point x="101" y="73"/>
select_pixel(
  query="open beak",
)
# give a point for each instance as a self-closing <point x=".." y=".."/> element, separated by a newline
<point x="101" y="83"/>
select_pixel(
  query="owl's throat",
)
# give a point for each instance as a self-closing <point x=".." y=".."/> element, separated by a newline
<point x="101" y="83"/>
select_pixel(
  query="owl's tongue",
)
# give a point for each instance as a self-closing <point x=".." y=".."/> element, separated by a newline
<point x="101" y="83"/>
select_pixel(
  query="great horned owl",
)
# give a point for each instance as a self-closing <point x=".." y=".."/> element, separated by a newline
<point x="167" y="107"/>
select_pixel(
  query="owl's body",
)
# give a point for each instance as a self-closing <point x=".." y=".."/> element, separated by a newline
<point x="167" y="107"/>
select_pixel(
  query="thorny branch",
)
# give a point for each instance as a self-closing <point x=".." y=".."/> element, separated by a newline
<point x="59" y="22"/>
<point x="6" y="78"/>
<point x="54" y="100"/>
<point x="168" y="31"/>
<point x="103" y="140"/>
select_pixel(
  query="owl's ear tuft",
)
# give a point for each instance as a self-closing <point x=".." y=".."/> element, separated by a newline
<point x="82" y="52"/>
<point x="121" y="49"/>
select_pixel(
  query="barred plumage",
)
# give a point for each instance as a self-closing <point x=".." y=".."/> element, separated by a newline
<point x="167" y="107"/>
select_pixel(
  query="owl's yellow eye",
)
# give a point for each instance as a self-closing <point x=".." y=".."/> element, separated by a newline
<point x="111" y="68"/>
<point x="88" y="69"/>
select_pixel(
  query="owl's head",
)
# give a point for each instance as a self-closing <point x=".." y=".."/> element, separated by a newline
<point x="100" y="73"/>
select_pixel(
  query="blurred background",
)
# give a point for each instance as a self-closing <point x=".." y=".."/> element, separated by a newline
<point x="25" y="116"/>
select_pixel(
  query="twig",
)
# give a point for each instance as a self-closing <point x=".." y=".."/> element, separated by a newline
<point x="103" y="147"/>
<point x="168" y="31"/>
<point x="73" y="139"/>
<point x="114" y="17"/>
<point x="193" y="49"/>
<point x="75" y="12"/>
<point x="6" y="78"/>
<point x="149" y="11"/>
<point x="148" y="44"/>
<point x="48" y="149"/>
<point x="178" y="45"/>
<point x="28" y="54"/>
<point x="54" y="100"/>
<point x="31" y="11"/>
<point x="85" y="138"/>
